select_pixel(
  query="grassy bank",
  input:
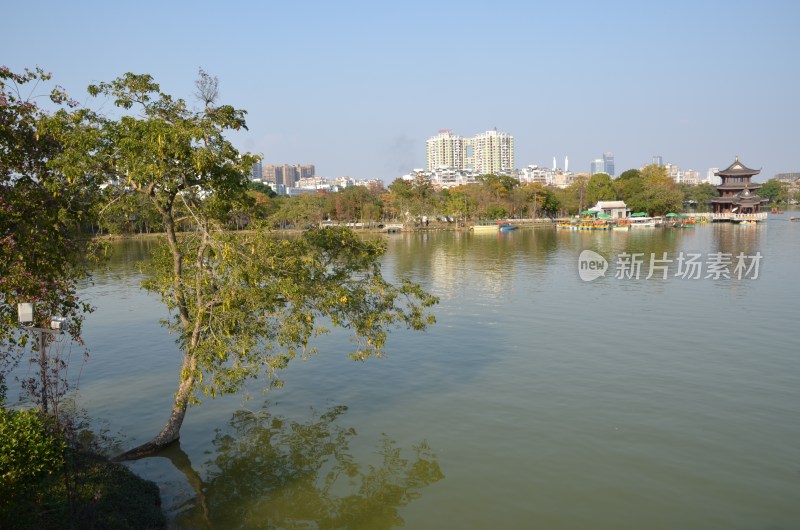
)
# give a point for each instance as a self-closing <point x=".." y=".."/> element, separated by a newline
<point x="45" y="484"/>
<point x="103" y="495"/>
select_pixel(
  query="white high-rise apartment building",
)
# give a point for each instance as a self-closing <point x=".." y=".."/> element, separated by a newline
<point x="490" y="152"/>
<point x="446" y="150"/>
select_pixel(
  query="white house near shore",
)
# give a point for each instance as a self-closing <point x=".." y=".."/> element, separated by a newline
<point x="616" y="209"/>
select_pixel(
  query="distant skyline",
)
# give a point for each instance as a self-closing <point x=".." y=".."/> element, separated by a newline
<point x="357" y="88"/>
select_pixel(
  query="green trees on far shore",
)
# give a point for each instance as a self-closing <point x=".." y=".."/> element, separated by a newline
<point x="648" y="189"/>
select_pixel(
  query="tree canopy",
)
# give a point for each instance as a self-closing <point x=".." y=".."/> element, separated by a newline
<point x="45" y="201"/>
<point x="600" y="188"/>
<point x="774" y="190"/>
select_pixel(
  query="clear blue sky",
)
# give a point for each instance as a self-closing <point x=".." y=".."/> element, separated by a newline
<point x="357" y="87"/>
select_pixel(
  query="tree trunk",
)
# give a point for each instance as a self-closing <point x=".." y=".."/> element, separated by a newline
<point x="170" y="433"/>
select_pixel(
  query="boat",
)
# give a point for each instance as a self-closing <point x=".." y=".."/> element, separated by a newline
<point x="493" y="227"/>
<point x="485" y="227"/>
<point x="622" y="224"/>
<point x="794" y="218"/>
<point x="643" y="222"/>
<point x="776" y="211"/>
<point x="594" y="224"/>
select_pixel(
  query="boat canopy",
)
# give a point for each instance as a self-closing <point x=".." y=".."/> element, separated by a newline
<point x="639" y="214"/>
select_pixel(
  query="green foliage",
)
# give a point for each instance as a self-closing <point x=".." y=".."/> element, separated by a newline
<point x="774" y="190"/>
<point x="460" y="202"/>
<point x="649" y="190"/>
<point x="498" y="184"/>
<point x="699" y="195"/>
<point x="356" y="204"/>
<point x="167" y="151"/>
<point x="29" y="451"/>
<point x="600" y="188"/>
<point x="301" y="211"/>
<point x="45" y="203"/>
<point x="408" y="199"/>
<point x="261" y="188"/>
<point x="255" y="301"/>
<point x="548" y="202"/>
<point x="660" y="194"/>
<point x="101" y="495"/>
<point x="495" y="211"/>
<point x="573" y="199"/>
<point x="122" y="211"/>
<point x="629" y="174"/>
<point x="629" y="187"/>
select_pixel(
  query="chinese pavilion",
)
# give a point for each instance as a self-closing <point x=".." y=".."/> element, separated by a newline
<point x="736" y="193"/>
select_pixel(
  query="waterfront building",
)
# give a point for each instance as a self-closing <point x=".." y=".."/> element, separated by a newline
<point x="736" y="193"/>
<point x="616" y="209"/>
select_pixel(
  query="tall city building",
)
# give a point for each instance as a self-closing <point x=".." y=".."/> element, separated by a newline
<point x="712" y="177"/>
<point x="446" y="150"/>
<point x="658" y="160"/>
<point x="597" y="166"/>
<point x="307" y="171"/>
<point x="287" y="174"/>
<point x="256" y="171"/>
<point x="489" y="152"/>
<point x="608" y="163"/>
<point x="492" y="152"/>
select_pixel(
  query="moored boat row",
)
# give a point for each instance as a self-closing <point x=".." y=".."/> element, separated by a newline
<point x="493" y="227"/>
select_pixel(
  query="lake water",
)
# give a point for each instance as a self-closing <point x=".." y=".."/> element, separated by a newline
<point x="538" y="400"/>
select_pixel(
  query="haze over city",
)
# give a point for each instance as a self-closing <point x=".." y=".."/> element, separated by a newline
<point x="356" y="88"/>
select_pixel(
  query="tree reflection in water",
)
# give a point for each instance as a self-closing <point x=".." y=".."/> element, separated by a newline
<point x="270" y="472"/>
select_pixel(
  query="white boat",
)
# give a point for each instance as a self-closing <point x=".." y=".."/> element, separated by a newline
<point x="643" y="222"/>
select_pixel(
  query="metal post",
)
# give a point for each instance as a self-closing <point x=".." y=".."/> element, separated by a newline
<point x="43" y="367"/>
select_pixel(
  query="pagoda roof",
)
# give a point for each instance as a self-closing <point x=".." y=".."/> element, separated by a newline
<point x="744" y="197"/>
<point x="737" y="169"/>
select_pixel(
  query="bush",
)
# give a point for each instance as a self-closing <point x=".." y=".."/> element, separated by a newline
<point x="44" y="484"/>
<point x="29" y="450"/>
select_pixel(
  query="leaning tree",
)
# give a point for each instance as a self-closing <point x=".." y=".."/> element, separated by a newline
<point x="242" y="305"/>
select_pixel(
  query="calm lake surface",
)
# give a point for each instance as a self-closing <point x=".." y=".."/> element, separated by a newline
<point x="538" y="400"/>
